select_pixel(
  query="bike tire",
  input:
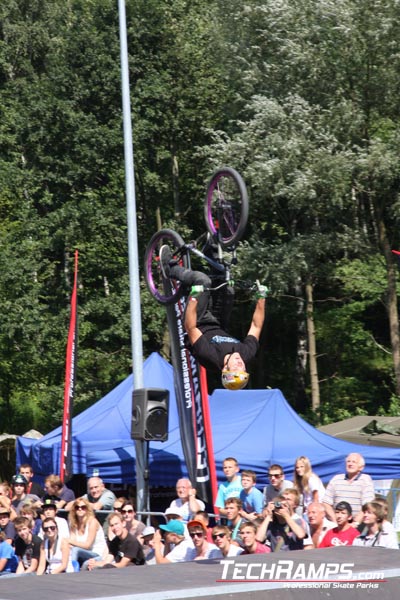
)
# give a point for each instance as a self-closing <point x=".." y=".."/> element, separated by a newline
<point x="227" y="189"/>
<point x="165" y="291"/>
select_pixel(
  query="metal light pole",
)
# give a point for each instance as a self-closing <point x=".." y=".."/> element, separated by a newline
<point x="141" y="447"/>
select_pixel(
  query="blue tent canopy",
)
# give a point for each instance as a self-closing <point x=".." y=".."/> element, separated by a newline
<point x="257" y="427"/>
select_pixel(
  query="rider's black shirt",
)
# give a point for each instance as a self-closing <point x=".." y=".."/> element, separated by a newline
<point x="215" y="343"/>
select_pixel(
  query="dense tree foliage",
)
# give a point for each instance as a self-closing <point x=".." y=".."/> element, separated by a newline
<point x="300" y="97"/>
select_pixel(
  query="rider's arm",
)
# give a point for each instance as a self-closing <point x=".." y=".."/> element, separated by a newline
<point x="258" y="319"/>
<point x="191" y="321"/>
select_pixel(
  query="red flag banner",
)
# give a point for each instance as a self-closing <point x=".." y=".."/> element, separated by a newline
<point x="69" y="387"/>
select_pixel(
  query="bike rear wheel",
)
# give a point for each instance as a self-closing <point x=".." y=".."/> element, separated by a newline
<point x="165" y="291"/>
<point x="226" y="208"/>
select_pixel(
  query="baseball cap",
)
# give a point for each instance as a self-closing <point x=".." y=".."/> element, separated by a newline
<point x="174" y="526"/>
<point x="343" y="506"/>
<point x="173" y="511"/>
<point x="196" y="523"/>
<point x="148" y="531"/>
<point x="4" y="510"/>
<point x="50" y="501"/>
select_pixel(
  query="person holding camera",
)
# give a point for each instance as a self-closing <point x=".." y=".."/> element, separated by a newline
<point x="281" y="527"/>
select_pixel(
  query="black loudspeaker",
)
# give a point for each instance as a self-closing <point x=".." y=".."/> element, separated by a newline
<point x="150" y="414"/>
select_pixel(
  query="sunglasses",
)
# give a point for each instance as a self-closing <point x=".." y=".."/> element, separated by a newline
<point x="199" y="534"/>
<point x="277" y="475"/>
<point x="4" y="515"/>
<point x="216" y="536"/>
<point x="81" y="507"/>
<point x="50" y="528"/>
<point x="127" y="510"/>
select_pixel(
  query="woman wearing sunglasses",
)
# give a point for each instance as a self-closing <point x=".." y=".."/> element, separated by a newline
<point x="132" y="524"/>
<point x="86" y="534"/>
<point x="55" y="556"/>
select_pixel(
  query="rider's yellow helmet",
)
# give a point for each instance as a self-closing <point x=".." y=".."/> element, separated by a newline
<point x="234" y="380"/>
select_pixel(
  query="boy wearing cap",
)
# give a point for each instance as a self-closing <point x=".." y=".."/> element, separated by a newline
<point x="174" y="534"/>
<point x="19" y="485"/>
<point x="6" y="525"/>
<point x="344" y="533"/>
<point x="49" y="511"/>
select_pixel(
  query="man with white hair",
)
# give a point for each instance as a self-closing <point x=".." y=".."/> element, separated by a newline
<point x="186" y="504"/>
<point x="353" y="487"/>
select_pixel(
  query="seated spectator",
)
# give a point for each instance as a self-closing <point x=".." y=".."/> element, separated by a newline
<point x="277" y="484"/>
<point x="248" y="533"/>
<point x="233" y="507"/>
<point x="133" y="525"/>
<point x="117" y="507"/>
<point x="293" y="498"/>
<point x="6" y="525"/>
<point x="19" y="486"/>
<point x="5" y="499"/>
<point x="49" y="511"/>
<point x="86" y="534"/>
<point x="281" y="527"/>
<point x="353" y="487"/>
<point x="146" y="538"/>
<point x="124" y="549"/>
<point x="8" y="558"/>
<point x="202" y="548"/>
<point x="186" y="503"/>
<point x="307" y="483"/>
<point x="230" y="488"/>
<point x="99" y="497"/>
<point x="252" y="499"/>
<point x="55" y="556"/>
<point x="33" y="487"/>
<point x="27" y="546"/>
<point x="31" y="513"/>
<point x="387" y="526"/>
<point x="204" y="517"/>
<point x="318" y="524"/>
<point x="221" y="537"/>
<point x="174" y="536"/>
<point x="55" y="487"/>
<point x="373" y="533"/>
<point x="344" y="533"/>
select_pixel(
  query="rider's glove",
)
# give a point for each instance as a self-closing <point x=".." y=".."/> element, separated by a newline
<point x="196" y="291"/>
<point x="262" y="291"/>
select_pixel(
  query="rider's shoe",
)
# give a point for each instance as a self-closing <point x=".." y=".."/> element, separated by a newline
<point x="165" y="256"/>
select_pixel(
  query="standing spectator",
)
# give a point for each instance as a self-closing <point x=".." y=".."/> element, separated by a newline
<point x="186" y="503"/>
<point x="99" y="497"/>
<point x="8" y="558"/>
<point x="33" y="487"/>
<point x="49" y="511"/>
<point x="124" y="549"/>
<point x="344" y="533"/>
<point x="307" y="483"/>
<point x="252" y="499"/>
<point x="373" y="533"/>
<point x="133" y="525"/>
<point x="86" y="534"/>
<point x="277" y="483"/>
<point x="19" y="485"/>
<point x="27" y="546"/>
<point x="55" y="487"/>
<point x="248" y="533"/>
<point x="221" y="537"/>
<point x="318" y="523"/>
<point x="230" y="488"/>
<point x="353" y="487"/>
<point x="6" y="525"/>
<point x="281" y="527"/>
<point x="55" y="556"/>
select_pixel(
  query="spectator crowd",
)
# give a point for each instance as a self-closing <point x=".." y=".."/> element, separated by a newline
<point x="286" y="515"/>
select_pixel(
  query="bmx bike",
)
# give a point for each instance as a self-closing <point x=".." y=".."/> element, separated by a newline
<point x="226" y="209"/>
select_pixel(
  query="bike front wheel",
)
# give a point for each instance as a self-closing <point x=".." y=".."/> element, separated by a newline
<point x="226" y="208"/>
<point x="165" y="291"/>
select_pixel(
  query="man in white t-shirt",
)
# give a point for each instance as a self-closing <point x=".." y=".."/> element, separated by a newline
<point x="186" y="503"/>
